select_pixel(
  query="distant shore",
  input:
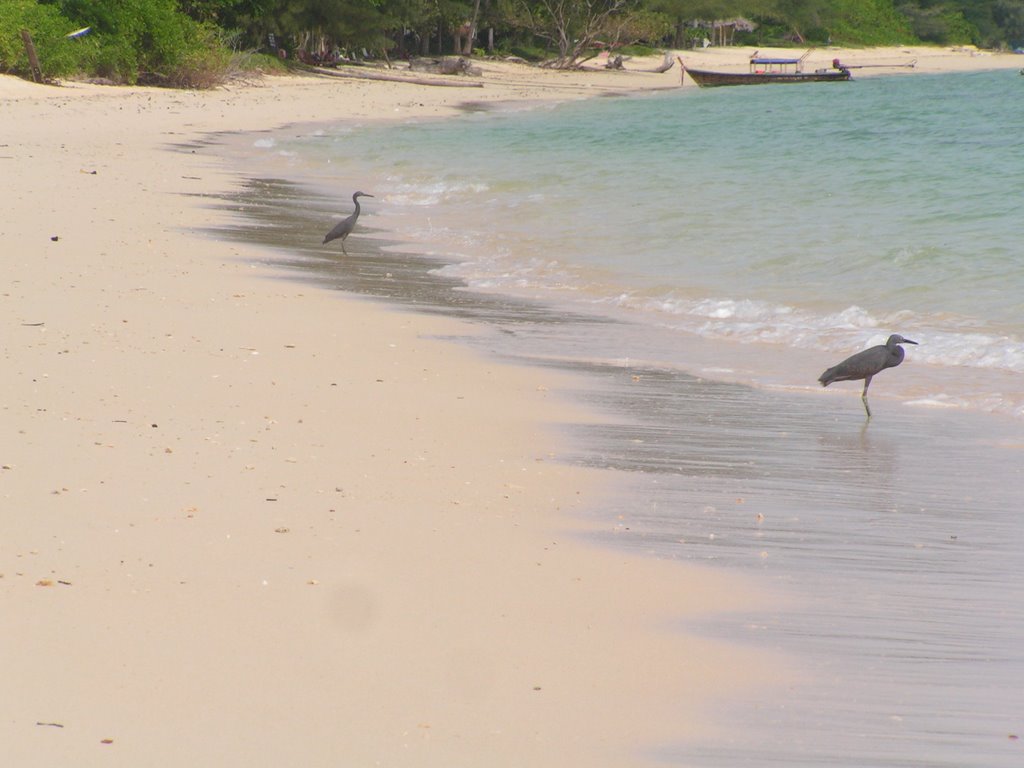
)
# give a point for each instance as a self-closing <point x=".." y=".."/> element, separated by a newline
<point x="865" y="62"/>
<point x="345" y="98"/>
<point x="251" y="522"/>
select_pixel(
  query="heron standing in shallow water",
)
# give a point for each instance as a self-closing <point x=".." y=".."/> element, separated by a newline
<point x="866" y="364"/>
<point x="344" y="228"/>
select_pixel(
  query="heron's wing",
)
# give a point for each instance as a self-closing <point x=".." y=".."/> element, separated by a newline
<point x="858" y="366"/>
<point x="894" y="358"/>
<point x="340" y="230"/>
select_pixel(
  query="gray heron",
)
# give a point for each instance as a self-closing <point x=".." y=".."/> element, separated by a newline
<point x="344" y="228"/>
<point x="866" y="364"/>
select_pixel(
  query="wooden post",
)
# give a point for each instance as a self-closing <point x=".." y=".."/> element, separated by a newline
<point x="33" y="60"/>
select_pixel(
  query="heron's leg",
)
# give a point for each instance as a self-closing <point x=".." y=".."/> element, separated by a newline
<point x="343" y="246"/>
<point x="864" y="396"/>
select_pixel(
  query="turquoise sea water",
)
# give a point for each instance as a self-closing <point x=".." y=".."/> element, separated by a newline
<point x="703" y="255"/>
<point x="820" y="218"/>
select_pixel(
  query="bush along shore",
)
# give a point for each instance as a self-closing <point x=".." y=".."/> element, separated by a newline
<point x="147" y="42"/>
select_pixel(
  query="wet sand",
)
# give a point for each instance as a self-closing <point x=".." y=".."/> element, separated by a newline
<point x="897" y="541"/>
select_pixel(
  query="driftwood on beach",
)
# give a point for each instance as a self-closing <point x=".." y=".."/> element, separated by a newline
<point x="665" y="66"/>
<point x="396" y="78"/>
<point x="447" y="65"/>
<point x="619" y="61"/>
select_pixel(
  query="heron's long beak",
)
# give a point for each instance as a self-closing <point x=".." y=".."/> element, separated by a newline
<point x="908" y="341"/>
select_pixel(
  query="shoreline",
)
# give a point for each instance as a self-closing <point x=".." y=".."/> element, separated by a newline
<point x="424" y="227"/>
<point x="238" y="530"/>
<point x="243" y="540"/>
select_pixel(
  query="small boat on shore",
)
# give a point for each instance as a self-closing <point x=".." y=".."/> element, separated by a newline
<point x="770" y="70"/>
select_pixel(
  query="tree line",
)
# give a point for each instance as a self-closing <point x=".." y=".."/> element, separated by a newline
<point x="192" y="42"/>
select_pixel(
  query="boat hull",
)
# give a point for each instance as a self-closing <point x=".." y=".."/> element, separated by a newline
<point x="709" y="79"/>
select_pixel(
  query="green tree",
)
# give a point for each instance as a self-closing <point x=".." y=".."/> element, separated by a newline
<point x="351" y="24"/>
<point x="941" y="24"/>
<point x="573" y="27"/>
<point x="685" y="12"/>
<point x="804" y="18"/>
<point x="866" y="22"/>
<point x="206" y="10"/>
<point x="1009" y="16"/>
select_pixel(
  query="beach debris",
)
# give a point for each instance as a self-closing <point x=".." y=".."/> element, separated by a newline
<point x="399" y="78"/>
<point x="106" y="741"/>
<point x="906" y="64"/>
<point x="33" y="58"/>
<point x="55" y="238"/>
<point x="50" y="725"/>
<point x="45" y="583"/>
<point x="665" y="66"/>
<point x="618" y="61"/>
<point x="282" y="530"/>
<point x="446" y="65"/>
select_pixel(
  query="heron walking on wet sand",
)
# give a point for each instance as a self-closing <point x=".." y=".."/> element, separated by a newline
<point x="344" y="228"/>
<point x="866" y="364"/>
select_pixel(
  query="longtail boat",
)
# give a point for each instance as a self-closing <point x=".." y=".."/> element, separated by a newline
<point x="770" y="70"/>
